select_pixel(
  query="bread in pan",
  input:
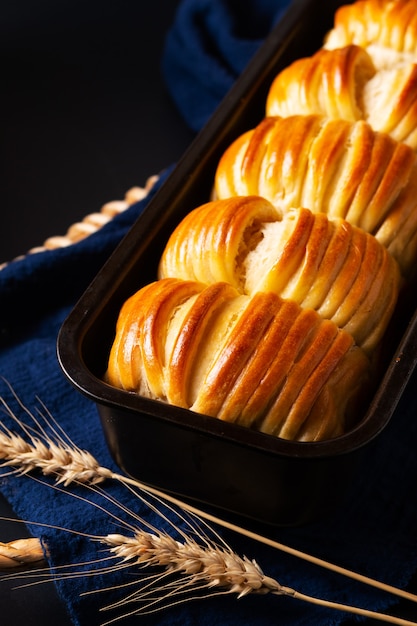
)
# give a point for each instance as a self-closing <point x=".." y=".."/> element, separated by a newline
<point x="344" y="169"/>
<point x="386" y="28"/>
<point x="260" y="362"/>
<point x="339" y="270"/>
<point x="273" y="298"/>
<point x="344" y="83"/>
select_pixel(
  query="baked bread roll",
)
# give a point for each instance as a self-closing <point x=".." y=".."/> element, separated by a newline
<point x="330" y="83"/>
<point x="340" y="271"/>
<point x="386" y="28"/>
<point x="259" y="362"/>
<point x="344" y="83"/>
<point x="344" y="169"/>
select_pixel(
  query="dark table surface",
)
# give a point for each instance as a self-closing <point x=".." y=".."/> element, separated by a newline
<point x="85" y="117"/>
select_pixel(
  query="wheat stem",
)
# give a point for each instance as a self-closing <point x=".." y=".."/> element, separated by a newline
<point x="382" y="617"/>
<point x="21" y="553"/>
<point x="270" y="542"/>
<point x="216" y="567"/>
<point x="205" y="567"/>
<point x="202" y="567"/>
<point x="55" y="454"/>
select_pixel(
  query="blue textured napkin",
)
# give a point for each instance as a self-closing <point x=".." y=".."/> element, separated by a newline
<point x="374" y="533"/>
<point x="209" y="46"/>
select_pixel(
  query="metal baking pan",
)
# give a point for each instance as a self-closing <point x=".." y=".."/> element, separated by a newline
<point x="194" y="456"/>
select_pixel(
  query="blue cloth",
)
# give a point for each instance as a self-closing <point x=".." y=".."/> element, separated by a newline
<point x="373" y="533"/>
<point x="208" y="48"/>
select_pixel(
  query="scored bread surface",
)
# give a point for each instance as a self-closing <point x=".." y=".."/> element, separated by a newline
<point x="344" y="169"/>
<point x="344" y="83"/>
<point x="339" y="270"/>
<point x="273" y="298"/>
<point x="260" y="361"/>
<point x="386" y="28"/>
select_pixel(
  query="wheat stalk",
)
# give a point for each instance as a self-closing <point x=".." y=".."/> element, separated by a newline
<point x="21" y="553"/>
<point x="211" y="567"/>
<point x="53" y="453"/>
<point x="92" y="222"/>
<point x="67" y="465"/>
<point x="205" y="568"/>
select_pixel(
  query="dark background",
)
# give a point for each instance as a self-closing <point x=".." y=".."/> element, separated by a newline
<point x="85" y="112"/>
<point x="85" y="116"/>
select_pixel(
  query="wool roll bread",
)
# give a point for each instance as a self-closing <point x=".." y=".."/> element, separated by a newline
<point x="344" y="83"/>
<point x="344" y="169"/>
<point x="261" y="362"/>
<point x="273" y="298"/>
<point x="387" y="29"/>
<point x="339" y="270"/>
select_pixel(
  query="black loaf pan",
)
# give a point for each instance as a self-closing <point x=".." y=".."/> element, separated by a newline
<point x="193" y="456"/>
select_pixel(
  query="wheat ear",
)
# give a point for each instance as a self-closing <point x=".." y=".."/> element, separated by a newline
<point x="21" y="553"/>
<point x="213" y="568"/>
<point x="53" y="453"/>
<point x="190" y="570"/>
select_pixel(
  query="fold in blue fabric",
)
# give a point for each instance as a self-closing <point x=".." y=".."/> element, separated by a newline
<point x="209" y="47"/>
<point x="374" y="532"/>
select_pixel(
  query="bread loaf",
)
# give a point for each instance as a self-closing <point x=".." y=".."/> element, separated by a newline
<point x="340" y="271"/>
<point x="273" y="297"/>
<point x="344" y="83"/>
<point x="260" y="361"/>
<point x="344" y="169"/>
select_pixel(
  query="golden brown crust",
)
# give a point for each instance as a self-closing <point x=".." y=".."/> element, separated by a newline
<point x="328" y="83"/>
<point x="328" y="265"/>
<point x="391" y="24"/>
<point x="261" y="362"/>
<point x="137" y="357"/>
<point x="343" y="83"/>
<point x="344" y="169"/>
<point x="264" y="314"/>
<point x="207" y="243"/>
